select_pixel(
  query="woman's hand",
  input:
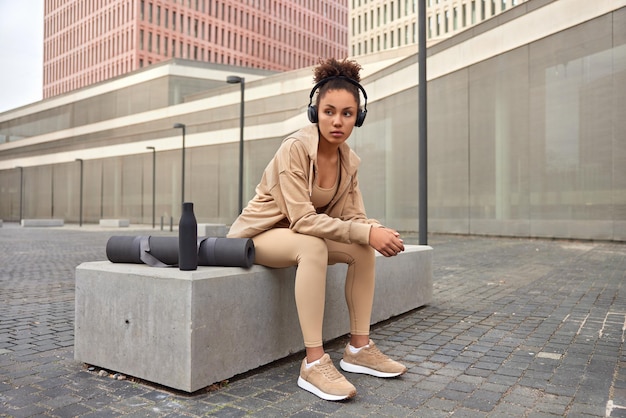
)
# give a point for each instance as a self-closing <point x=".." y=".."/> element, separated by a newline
<point x="386" y="241"/>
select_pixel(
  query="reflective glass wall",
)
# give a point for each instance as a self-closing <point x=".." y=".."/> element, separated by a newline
<point x="533" y="142"/>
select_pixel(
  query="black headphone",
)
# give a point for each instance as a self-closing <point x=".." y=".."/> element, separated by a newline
<point x="312" y="110"/>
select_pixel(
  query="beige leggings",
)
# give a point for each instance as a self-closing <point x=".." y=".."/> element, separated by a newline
<point x="281" y="247"/>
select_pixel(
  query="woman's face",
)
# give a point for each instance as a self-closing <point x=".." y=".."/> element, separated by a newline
<point x="337" y="111"/>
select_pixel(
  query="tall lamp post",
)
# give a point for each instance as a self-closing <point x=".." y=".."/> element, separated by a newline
<point x="21" y="192"/>
<point x="153" y="182"/>
<point x="182" y="126"/>
<point x="80" y="210"/>
<point x="234" y="79"/>
<point x="423" y="126"/>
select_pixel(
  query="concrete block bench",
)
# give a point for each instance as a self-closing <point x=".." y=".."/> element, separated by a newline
<point x="212" y="230"/>
<point x="189" y="329"/>
<point x="114" y="223"/>
<point x="42" y="222"/>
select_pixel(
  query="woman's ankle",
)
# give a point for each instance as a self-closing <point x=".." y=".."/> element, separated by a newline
<point x="314" y="354"/>
<point x="358" y="341"/>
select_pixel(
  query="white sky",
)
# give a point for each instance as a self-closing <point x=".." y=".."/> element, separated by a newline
<point x="21" y="52"/>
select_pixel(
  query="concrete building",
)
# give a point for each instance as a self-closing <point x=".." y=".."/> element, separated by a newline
<point x="379" y="25"/>
<point x="89" y="41"/>
<point x="525" y="125"/>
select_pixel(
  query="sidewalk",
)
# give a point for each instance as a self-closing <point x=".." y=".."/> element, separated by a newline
<point x="518" y="328"/>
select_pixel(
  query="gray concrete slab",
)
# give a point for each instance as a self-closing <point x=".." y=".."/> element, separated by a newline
<point x="175" y="327"/>
<point x="41" y="222"/>
<point x="517" y="327"/>
<point x="114" y="223"/>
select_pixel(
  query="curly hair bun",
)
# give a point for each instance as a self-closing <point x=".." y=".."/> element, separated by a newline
<point x="332" y="68"/>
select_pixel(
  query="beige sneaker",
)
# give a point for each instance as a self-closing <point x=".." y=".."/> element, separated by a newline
<point x="370" y="360"/>
<point x="325" y="381"/>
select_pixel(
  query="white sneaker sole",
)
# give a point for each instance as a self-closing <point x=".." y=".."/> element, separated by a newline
<point x="326" y="396"/>
<point x="353" y="368"/>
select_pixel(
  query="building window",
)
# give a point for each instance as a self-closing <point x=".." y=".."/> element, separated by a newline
<point x="473" y="12"/>
<point x="464" y="15"/>
<point x="430" y="26"/>
<point x="455" y="19"/>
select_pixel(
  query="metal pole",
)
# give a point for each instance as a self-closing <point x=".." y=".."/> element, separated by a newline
<point x="21" y="193"/>
<point x="80" y="211"/>
<point x="153" y="184"/>
<point x="423" y="126"/>
<point x="234" y="79"/>
<point x="241" y="116"/>
<point x="183" y="127"/>
<point x="183" y="173"/>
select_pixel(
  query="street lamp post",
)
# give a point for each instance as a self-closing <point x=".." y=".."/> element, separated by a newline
<point x="234" y="79"/>
<point x="423" y="126"/>
<point x="80" y="210"/>
<point x="21" y="192"/>
<point x="153" y="182"/>
<point x="182" y="126"/>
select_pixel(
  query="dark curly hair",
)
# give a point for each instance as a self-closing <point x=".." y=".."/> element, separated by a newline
<point x="330" y="68"/>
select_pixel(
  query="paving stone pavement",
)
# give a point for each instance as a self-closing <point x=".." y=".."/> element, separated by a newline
<point x="518" y="328"/>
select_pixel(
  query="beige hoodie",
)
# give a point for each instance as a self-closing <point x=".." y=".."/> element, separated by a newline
<point x="284" y="195"/>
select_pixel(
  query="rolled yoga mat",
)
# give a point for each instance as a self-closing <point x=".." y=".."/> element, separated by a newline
<point x="163" y="251"/>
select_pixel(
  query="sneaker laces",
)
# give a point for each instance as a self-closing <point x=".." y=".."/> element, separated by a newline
<point x="329" y="371"/>
<point x="377" y="353"/>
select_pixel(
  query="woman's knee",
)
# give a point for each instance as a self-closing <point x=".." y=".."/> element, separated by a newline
<point x="312" y="248"/>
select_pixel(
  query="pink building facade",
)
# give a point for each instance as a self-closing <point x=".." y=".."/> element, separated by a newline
<point x="87" y="41"/>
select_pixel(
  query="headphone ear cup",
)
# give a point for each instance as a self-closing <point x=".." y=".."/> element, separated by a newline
<point x="312" y="113"/>
<point x="360" y="118"/>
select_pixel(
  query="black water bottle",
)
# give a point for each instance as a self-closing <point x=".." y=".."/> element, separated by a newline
<point x="187" y="239"/>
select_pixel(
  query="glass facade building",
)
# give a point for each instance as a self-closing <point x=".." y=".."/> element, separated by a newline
<point x="526" y="135"/>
